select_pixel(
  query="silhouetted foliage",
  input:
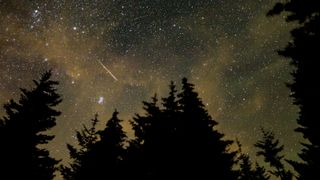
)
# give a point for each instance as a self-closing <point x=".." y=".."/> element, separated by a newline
<point x="23" y="130"/>
<point x="260" y="173"/>
<point x="148" y="144"/>
<point x="205" y="152"/>
<point x="178" y="140"/>
<point x="172" y="122"/>
<point x="246" y="169"/>
<point x="107" y="154"/>
<point x="304" y="53"/>
<point x="270" y="149"/>
<point x="86" y="138"/>
<point x="101" y="152"/>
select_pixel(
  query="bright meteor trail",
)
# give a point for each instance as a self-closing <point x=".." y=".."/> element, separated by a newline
<point x="108" y="71"/>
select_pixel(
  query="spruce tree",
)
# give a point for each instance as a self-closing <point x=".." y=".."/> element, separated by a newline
<point x="260" y="173"/>
<point x="304" y="53"/>
<point x="86" y="138"/>
<point x="170" y="103"/>
<point x="110" y="149"/>
<point x="246" y="169"/>
<point x="171" y="115"/>
<point x="104" y="157"/>
<point x="205" y="153"/>
<point x="23" y="132"/>
<point x="270" y="149"/>
<point x="146" y="147"/>
<point x="177" y="141"/>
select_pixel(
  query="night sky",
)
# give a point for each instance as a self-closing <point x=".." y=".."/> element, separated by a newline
<point x="111" y="54"/>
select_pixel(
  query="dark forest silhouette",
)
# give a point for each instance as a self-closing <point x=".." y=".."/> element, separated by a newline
<point x="304" y="54"/>
<point x="178" y="140"/>
<point x="101" y="153"/>
<point x="270" y="148"/>
<point x="23" y="129"/>
<point x="175" y="138"/>
<point x="247" y="171"/>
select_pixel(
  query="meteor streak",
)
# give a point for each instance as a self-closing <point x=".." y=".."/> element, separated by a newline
<point x="108" y="71"/>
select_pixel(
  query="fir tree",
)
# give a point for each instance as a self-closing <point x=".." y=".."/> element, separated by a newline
<point x="171" y="135"/>
<point x="104" y="157"/>
<point x="270" y="149"/>
<point x="304" y="53"/>
<point x="146" y="146"/>
<point x="86" y="138"/>
<point x="110" y="149"/>
<point x="178" y="141"/>
<point x="170" y="103"/>
<point x="205" y="152"/>
<point x="246" y="169"/>
<point x="260" y="173"/>
<point x="142" y="125"/>
<point x="23" y="132"/>
<point x="171" y="116"/>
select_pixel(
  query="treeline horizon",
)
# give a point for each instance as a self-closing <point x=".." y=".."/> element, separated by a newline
<point x="175" y="138"/>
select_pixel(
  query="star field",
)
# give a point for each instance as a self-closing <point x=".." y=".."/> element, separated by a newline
<point x="226" y="48"/>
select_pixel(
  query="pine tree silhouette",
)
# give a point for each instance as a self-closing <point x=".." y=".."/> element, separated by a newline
<point x="178" y="141"/>
<point x="23" y="131"/>
<point x="260" y="173"/>
<point x="304" y="54"/>
<point x="246" y="169"/>
<point x="146" y="145"/>
<point x="172" y="135"/>
<point x="86" y="138"/>
<point x="110" y="149"/>
<point x="170" y="103"/>
<point x="205" y="152"/>
<point x="270" y="149"/>
<point x="101" y="152"/>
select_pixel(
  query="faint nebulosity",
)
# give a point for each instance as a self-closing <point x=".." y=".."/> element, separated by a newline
<point x="110" y="54"/>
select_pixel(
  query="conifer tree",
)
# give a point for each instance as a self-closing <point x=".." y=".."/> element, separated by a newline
<point x="170" y="103"/>
<point x="304" y="53"/>
<point x="23" y="132"/>
<point x="246" y="169"/>
<point x="86" y="138"/>
<point x="270" y="149"/>
<point x="205" y="152"/>
<point x="171" y="115"/>
<point x="142" y="125"/>
<point x="178" y="141"/>
<point x="109" y="151"/>
<point x="146" y="145"/>
<point x="260" y="173"/>
<point x="102" y="152"/>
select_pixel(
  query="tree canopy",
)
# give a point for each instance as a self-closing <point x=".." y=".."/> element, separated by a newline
<point x="303" y="51"/>
<point x="23" y="131"/>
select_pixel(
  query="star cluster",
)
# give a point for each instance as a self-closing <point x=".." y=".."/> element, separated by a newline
<point x="227" y="48"/>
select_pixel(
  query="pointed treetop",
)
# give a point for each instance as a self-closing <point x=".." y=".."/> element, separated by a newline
<point x="270" y="149"/>
<point x="115" y="113"/>
<point x="170" y="102"/>
<point x="186" y="84"/>
<point x="114" y="119"/>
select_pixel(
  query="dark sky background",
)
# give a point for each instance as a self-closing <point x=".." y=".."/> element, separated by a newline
<point x="227" y="48"/>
